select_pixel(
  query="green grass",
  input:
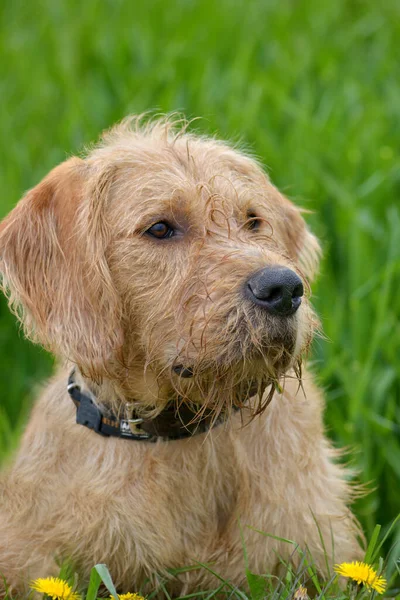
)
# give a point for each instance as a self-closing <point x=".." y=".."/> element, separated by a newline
<point x="313" y="89"/>
<point x="303" y="580"/>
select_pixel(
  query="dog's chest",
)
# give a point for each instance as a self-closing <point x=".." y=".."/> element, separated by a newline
<point x="163" y="504"/>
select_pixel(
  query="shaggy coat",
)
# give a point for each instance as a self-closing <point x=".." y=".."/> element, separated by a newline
<point x="130" y="264"/>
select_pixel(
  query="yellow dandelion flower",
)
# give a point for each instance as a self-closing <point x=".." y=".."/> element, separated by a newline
<point x="129" y="596"/>
<point x="58" y="589"/>
<point x="362" y="573"/>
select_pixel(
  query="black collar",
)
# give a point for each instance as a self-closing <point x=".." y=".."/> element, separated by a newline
<point x="170" y="424"/>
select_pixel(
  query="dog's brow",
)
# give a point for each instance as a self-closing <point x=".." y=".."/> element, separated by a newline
<point x="174" y="217"/>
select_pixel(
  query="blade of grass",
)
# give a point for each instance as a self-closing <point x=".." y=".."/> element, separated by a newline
<point x="106" y="579"/>
<point x="385" y="537"/>
<point x="199" y="594"/>
<point x="227" y="583"/>
<point x="372" y="544"/>
<point x="217" y="591"/>
<point x="310" y="567"/>
<point x="181" y="570"/>
<point x="94" y="584"/>
<point x="164" y="589"/>
<point x="274" y="537"/>
<point x="257" y="585"/>
<point x="328" y="570"/>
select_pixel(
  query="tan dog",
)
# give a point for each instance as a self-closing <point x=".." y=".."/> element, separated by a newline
<point x="170" y="272"/>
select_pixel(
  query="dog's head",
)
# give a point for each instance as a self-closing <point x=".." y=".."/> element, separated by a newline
<point x="166" y="264"/>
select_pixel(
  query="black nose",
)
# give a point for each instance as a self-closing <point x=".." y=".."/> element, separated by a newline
<point x="276" y="289"/>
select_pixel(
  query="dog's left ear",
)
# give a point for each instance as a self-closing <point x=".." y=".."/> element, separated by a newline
<point x="54" y="268"/>
<point x="302" y="245"/>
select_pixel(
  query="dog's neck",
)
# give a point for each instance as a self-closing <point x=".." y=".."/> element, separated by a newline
<point x="172" y="423"/>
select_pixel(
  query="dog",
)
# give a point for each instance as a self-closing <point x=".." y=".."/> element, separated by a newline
<point x="171" y="280"/>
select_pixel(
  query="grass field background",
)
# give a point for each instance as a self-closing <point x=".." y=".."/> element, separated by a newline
<point x="313" y="89"/>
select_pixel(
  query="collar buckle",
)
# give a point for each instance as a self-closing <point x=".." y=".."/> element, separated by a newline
<point x="131" y="426"/>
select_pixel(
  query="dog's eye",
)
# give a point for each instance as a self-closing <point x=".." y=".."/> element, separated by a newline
<point x="253" y="223"/>
<point x="160" y="230"/>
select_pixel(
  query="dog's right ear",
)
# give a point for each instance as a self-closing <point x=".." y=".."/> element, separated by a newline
<point x="56" y="275"/>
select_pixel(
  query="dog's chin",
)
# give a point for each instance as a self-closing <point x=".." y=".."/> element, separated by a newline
<point x="242" y="378"/>
<point x="271" y="357"/>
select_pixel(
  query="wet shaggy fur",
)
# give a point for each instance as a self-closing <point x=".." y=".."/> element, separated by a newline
<point x="89" y="283"/>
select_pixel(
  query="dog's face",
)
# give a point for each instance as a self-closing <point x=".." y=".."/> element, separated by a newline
<point x="168" y="264"/>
